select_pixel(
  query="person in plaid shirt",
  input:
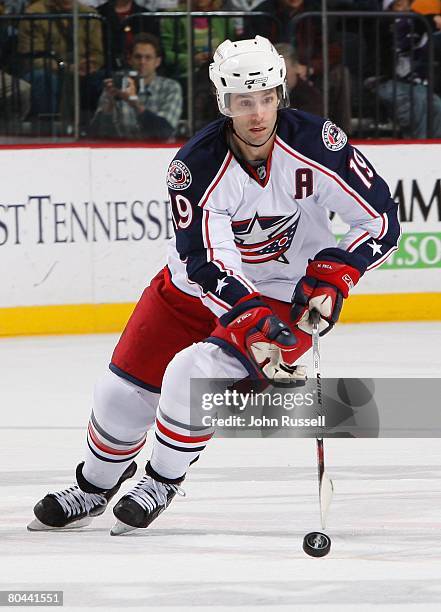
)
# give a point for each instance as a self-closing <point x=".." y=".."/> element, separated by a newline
<point x="148" y="106"/>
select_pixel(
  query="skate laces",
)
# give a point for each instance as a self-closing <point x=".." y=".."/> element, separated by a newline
<point x="75" y="501"/>
<point x="150" y="494"/>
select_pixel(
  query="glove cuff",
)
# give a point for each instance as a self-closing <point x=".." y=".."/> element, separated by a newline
<point x="253" y="301"/>
<point x="339" y="275"/>
<point x="340" y="255"/>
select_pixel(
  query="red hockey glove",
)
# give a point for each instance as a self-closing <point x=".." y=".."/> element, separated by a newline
<point x="327" y="281"/>
<point x="252" y="331"/>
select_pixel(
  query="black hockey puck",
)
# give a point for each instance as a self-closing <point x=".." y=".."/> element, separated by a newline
<point x="316" y="544"/>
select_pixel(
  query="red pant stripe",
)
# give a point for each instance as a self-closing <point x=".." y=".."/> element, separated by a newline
<point x="108" y="449"/>
<point x="180" y="438"/>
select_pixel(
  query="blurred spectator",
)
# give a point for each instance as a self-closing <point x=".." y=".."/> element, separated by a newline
<point x="354" y="5"/>
<point x="48" y="49"/>
<point x="15" y="93"/>
<point x="15" y="7"/>
<point x="407" y="97"/>
<point x="281" y="29"/>
<point x="432" y="10"/>
<point x="15" y="97"/>
<point x="412" y="34"/>
<point x="240" y="5"/>
<point x="144" y="105"/>
<point x="205" y="103"/>
<point x="116" y="12"/>
<point x="302" y="93"/>
<point x="306" y="36"/>
<point x="206" y="37"/>
<point x="427" y="7"/>
<point x="159" y="5"/>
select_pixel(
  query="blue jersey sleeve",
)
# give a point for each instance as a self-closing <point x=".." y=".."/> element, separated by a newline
<point x="351" y="187"/>
<point x="204" y="236"/>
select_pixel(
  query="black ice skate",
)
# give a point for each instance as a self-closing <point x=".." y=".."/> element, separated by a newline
<point x="74" y="507"/>
<point x="145" y="502"/>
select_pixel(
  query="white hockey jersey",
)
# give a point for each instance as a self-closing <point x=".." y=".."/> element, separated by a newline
<point x="240" y="229"/>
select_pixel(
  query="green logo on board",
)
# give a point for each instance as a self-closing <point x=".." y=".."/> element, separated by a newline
<point x="416" y="250"/>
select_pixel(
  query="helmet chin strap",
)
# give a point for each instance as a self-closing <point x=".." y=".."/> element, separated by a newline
<point x="250" y="144"/>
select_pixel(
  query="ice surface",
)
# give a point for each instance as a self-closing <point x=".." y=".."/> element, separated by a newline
<point x="235" y="541"/>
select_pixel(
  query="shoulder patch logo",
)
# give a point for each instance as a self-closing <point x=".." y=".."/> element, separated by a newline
<point x="334" y="138"/>
<point x="178" y="175"/>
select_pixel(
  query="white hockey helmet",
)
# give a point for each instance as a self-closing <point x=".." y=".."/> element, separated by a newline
<point x="247" y="66"/>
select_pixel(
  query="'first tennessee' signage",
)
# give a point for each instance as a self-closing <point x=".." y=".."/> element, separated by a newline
<point x="47" y="219"/>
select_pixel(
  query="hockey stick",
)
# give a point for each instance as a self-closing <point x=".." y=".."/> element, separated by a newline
<point x="326" y="488"/>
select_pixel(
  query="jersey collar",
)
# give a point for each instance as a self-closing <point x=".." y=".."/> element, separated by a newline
<point x="261" y="173"/>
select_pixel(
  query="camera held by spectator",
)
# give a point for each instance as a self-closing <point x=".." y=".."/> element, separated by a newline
<point x="121" y="79"/>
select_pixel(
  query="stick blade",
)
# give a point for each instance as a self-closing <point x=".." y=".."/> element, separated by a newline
<point x="326" y="493"/>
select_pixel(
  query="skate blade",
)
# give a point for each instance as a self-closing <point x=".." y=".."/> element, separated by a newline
<point x="37" y="525"/>
<point x="120" y="528"/>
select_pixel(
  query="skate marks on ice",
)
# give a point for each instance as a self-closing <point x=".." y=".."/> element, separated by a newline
<point x="377" y="511"/>
<point x="44" y="478"/>
<point x="60" y="478"/>
<point x="236" y="541"/>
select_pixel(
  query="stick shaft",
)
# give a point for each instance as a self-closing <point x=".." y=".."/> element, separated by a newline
<point x="317" y="374"/>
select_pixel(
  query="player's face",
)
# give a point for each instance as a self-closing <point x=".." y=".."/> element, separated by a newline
<point x="254" y="114"/>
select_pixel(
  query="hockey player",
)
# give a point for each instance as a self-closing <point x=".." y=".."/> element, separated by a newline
<point x="253" y="253"/>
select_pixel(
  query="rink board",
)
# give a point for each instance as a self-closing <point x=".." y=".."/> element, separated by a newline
<point x="86" y="231"/>
<point x="103" y="318"/>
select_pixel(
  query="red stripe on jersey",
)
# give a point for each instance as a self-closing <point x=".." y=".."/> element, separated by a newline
<point x="223" y="305"/>
<point x="108" y="449"/>
<point x="261" y="259"/>
<point x="217" y="180"/>
<point x="247" y="285"/>
<point x="357" y="240"/>
<point x="385" y="226"/>
<point x="206" y="213"/>
<point x="342" y="185"/>
<point x="179" y="437"/>
<point x="269" y="162"/>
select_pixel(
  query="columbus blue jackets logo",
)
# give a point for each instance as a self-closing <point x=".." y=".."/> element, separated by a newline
<point x="178" y="175"/>
<point x="333" y="137"/>
<point x="262" y="239"/>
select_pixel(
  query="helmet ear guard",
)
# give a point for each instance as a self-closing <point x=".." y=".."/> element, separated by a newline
<point x="247" y="66"/>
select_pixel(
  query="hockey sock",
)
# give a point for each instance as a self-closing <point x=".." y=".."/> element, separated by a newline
<point x="176" y="445"/>
<point x="117" y="428"/>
